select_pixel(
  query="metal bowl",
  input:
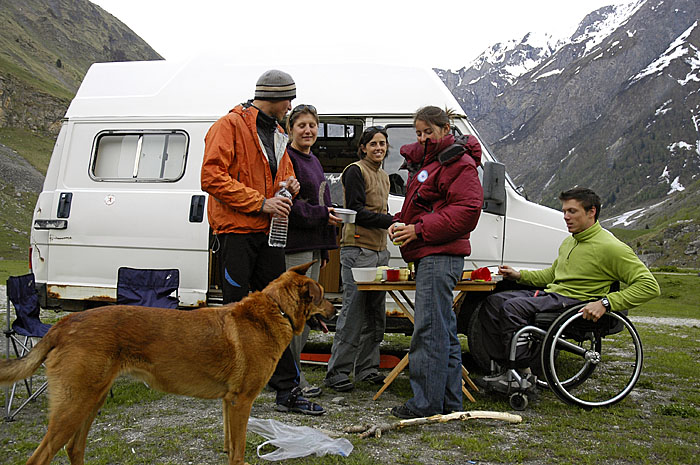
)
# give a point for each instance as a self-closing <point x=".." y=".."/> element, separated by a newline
<point x="345" y="214"/>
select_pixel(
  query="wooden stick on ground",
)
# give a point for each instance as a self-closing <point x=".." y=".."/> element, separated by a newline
<point x="366" y="431"/>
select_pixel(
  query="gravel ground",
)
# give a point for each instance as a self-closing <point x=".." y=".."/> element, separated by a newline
<point x="147" y="426"/>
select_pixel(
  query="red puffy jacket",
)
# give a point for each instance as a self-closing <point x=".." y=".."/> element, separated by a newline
<point x="444" y="196"/>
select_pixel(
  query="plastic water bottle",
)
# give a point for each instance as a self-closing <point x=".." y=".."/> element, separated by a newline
<point x="278" y="225"/>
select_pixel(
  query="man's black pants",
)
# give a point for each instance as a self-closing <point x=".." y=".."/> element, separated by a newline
<point x="247" y="264"/>
<point x="504" y="313"/>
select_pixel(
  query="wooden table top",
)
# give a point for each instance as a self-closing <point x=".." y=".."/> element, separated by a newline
<point x="411" y="286"/>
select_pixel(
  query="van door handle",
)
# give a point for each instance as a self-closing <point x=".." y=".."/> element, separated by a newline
<point x="64" y="203"/>
<point x="197" y="209"/>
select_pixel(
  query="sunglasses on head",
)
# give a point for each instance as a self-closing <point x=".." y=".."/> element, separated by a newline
<point x="303" y="107"/>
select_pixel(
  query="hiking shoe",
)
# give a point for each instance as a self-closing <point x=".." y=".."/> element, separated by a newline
<point x="295" y="403"/>
<point x="341" y="384"/>
<point x="503" y="384"/>
<point x="374" y="378"/>
<point x="403" y="412"/>
<point x="311" y="391"/>
<point x="485" y="383"/>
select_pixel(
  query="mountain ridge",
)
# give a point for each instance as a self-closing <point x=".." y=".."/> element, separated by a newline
<point x="46" y="47"/>
<point x="616" y="107"/>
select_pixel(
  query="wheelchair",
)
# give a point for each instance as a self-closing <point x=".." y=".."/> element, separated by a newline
<point x="587" y="364"/>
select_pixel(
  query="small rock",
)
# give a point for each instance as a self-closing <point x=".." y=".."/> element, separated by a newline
<point x="340" y="400"/>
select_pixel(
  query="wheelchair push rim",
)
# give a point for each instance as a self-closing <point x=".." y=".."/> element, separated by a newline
<point x="617" y="363"/>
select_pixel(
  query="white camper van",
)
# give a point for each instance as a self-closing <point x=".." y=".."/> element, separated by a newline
<point x="123" y="184"/>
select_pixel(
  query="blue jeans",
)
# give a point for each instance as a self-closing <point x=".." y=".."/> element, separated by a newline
<point x="435" y="356"/>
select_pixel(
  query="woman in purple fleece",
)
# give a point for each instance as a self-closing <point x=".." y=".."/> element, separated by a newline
<point x="312" y="225"/>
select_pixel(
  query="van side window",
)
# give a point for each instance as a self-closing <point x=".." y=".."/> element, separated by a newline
<point x="152" y="156"/>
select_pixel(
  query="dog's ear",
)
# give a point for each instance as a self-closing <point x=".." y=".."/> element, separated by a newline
<point x="302" y="269"/>
<point x="315" y="290"/>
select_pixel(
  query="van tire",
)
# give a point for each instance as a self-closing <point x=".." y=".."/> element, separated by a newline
<point x="475" y="341"/>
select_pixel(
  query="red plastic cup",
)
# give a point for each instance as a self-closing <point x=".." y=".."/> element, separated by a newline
<point x="392" y="274"/>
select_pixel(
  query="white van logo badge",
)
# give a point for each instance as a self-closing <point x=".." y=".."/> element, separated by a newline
<point x="109" y="200"/>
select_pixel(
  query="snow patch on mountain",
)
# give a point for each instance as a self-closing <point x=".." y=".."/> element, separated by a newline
<point x="517" y="57"/>
<point x="547" y="74"/>
<point x="597" y="32"/>
<point x="679" y="48"/>
<point x="631" y="217"/>
<point x="663" y="108"/>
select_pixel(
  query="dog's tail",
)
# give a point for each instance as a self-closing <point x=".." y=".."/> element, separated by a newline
<point x="12" y="370"/>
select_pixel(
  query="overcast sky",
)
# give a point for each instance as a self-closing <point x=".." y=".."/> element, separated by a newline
<point x="435" y="33"/>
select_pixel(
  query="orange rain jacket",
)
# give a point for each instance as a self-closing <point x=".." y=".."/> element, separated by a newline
<point x="236" y="173"/>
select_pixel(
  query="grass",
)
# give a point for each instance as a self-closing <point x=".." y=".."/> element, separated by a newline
<point x="656" y="423"/>
<point x="43" y="83"/>
<point x="35" y="148"/>
<point x="12" y="268"/>
<point x="680" y="295"/>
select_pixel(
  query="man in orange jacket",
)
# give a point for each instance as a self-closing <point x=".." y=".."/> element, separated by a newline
<point x="245" y="162"/>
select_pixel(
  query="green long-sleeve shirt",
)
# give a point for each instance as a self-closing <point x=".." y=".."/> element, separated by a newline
<point x="588" y="263"/>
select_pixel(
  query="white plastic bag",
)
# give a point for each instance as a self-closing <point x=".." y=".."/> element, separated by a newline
<point x="295" y="441"/>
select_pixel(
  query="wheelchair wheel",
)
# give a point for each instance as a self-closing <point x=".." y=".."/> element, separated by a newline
<point x="518" y="401"/>
<point x="586" y="367"/>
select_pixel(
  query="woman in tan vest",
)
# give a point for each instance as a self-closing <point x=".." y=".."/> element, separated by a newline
<point x="360" y="326"/>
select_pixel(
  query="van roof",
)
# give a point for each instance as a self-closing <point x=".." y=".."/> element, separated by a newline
<point x="207" y="89"/>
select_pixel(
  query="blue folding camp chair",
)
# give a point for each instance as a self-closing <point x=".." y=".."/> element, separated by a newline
<point x="148" y="288"/>
<point x="21" y="292"/>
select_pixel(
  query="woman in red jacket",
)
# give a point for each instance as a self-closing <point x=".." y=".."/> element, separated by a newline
<point x="442" y="206"/>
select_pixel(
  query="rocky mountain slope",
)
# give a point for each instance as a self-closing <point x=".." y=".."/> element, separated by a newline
<point x="615" y="107"/>
<point x="46" y="47"/>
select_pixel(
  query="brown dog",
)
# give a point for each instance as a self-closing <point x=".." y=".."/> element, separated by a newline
<point x="225" y="352"/>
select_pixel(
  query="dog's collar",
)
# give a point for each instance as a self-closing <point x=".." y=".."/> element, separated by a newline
<point x="289" y="318"/>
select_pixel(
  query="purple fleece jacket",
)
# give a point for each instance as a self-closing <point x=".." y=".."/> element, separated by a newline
<point x="308" y="220"/>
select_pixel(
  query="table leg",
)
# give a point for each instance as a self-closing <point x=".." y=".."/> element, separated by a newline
<point x="408" y="301"/>
<point x="392" y="376"/>
<point x="467" y="393"/>
<point x="465" y="375"/>
<point x="404" y="361"/>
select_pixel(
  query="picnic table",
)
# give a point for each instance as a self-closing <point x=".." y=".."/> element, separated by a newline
<point x="397" y="291"/>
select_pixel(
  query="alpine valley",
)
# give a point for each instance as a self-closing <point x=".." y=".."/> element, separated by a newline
<point x="614" y="107"/>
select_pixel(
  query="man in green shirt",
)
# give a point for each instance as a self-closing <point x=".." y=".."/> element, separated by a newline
<point x="589" y="261"/>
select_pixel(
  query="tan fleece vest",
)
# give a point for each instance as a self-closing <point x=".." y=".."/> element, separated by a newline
<point x="376" y="198"/>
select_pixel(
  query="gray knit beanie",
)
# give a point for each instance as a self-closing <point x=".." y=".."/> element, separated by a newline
<point x="275" y="85"/>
